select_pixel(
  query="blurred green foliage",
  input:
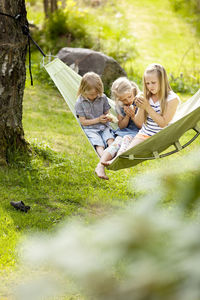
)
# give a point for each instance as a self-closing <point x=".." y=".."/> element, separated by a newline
<point x="144" y="252"/>
<point x="190" y="9"/>
<point x="67" y="27"/>
<point x="184" y="84"/>
<point x="84" y="27"/>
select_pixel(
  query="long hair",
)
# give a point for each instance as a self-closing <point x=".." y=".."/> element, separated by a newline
<point x="163" y="82"/>
<point x="89" y="81"/>
<point x="121" y="86"/>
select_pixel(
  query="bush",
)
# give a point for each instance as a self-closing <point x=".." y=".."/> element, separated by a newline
<point x="66" y="27"/>
<point x="184" y="84"/>
<point x="194" y="5"/>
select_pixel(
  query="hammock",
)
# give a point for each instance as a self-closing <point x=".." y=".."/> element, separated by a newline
<point x="187" y="117"/>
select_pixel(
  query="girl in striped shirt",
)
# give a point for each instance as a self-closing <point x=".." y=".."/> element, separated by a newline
<point x="156" y="107"/>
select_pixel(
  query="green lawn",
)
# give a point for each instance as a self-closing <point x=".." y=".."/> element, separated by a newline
<point x="58" y="180"/>
<point x="162" y="36"/>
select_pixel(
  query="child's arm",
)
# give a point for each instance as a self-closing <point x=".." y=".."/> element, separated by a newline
<point x="85" y="122"/>
<point x="123" y="121"/>
<point x="139" y="117"/>
<point x="130" y="114"/>
<point x="161" y="120"/>
<point x="82" y="118"/>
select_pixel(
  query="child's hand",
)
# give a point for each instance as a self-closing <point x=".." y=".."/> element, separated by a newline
<point x="109" y="119"/>
<point x="142" y="102"/>
<point x="130" y="111"/>
<point x="103" y="119"/>
<point x="112" y="118"/>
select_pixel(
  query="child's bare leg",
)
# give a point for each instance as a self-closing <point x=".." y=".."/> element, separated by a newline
<point x="99" y="150"/>
<point x="105" y="157"/>
<point x="108" y="154"/>
<point x="110" y="141"/>
<point x="100" y="171"/>
<point x="135" y="142"/>
<point x="111" y="151"/>
<point x="125" y="144"/>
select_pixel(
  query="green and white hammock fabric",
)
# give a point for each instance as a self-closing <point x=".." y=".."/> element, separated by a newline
<point x="186" y="118"/>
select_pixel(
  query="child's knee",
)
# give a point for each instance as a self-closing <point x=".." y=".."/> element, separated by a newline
<point x="114" y="147"/>
<point x="127" y="138"/>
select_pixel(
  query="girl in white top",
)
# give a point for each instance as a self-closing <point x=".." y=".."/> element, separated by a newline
<point x="156" y="107"/>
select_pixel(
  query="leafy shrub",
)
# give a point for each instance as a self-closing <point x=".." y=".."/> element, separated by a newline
<point x="194" y="5"/>
<point x="67" y="27"/>
<point x="183" y="84"/>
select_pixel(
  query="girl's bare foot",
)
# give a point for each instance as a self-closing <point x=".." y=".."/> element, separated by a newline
<point x="107" y="163"/>
<point x="100" y="171"/>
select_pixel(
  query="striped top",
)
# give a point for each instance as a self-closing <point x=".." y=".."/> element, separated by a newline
<point x="151" y="127"/>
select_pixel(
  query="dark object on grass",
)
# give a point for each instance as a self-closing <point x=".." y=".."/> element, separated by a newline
<point x="20" y="205"/>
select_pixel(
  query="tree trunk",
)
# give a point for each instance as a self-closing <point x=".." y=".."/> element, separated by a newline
<point x="49" y="6"/>
<point x="13" y="47"/>
<point x="53" y="5"/>
<point x="46" y="8"/>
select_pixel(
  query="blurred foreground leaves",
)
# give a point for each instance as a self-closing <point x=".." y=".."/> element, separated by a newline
<point x="149" y="251"/>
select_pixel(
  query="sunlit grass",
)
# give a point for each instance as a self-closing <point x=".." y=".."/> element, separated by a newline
<point x="58" y="180"/>
<point x="163" y="37"/>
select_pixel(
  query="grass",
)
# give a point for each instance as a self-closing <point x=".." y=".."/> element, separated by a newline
<point x="57" y="179"/>
<point x="163" y="37"/>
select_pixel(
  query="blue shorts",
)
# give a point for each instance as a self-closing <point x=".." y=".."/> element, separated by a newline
<point x="99" y="137"/>
<point x="126" y="131"/>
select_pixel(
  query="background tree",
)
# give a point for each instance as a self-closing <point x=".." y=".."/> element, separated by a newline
<point x="13" y="47"/>
<point x="49" y="6"/>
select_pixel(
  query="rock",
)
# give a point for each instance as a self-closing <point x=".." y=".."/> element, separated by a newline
<point x="85" y="60"/>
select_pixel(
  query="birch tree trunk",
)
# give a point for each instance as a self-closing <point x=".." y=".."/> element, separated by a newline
<point x="13" y="47"/>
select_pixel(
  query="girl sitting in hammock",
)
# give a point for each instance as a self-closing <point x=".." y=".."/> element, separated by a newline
<point x="123" y="92"/>
<point x="92" y="108"/>
<point x="155" y="110"/>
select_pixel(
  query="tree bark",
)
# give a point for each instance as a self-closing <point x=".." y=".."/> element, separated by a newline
<point x="13" y="48"/>
<point x="46" y="8"/>
<point x="53" y="5"/>
<point x="49" y="7"/>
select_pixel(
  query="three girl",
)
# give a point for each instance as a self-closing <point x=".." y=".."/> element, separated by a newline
<point x="156" y="109"/>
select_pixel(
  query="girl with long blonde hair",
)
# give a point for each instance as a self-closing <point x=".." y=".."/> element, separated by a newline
<point x="156" y="107"/>
<point x="123" y="93"/>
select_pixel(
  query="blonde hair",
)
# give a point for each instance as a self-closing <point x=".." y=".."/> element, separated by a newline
<point x="121" y="86"/>
<point x="89" y="81"/>
<point x="163" y="82"/>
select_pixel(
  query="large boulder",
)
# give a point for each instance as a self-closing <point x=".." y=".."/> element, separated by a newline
<point x="85" y="60"/>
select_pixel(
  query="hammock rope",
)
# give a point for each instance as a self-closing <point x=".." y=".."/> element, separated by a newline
<point x="186" y="118"/>
<point x="26" y="31"/>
